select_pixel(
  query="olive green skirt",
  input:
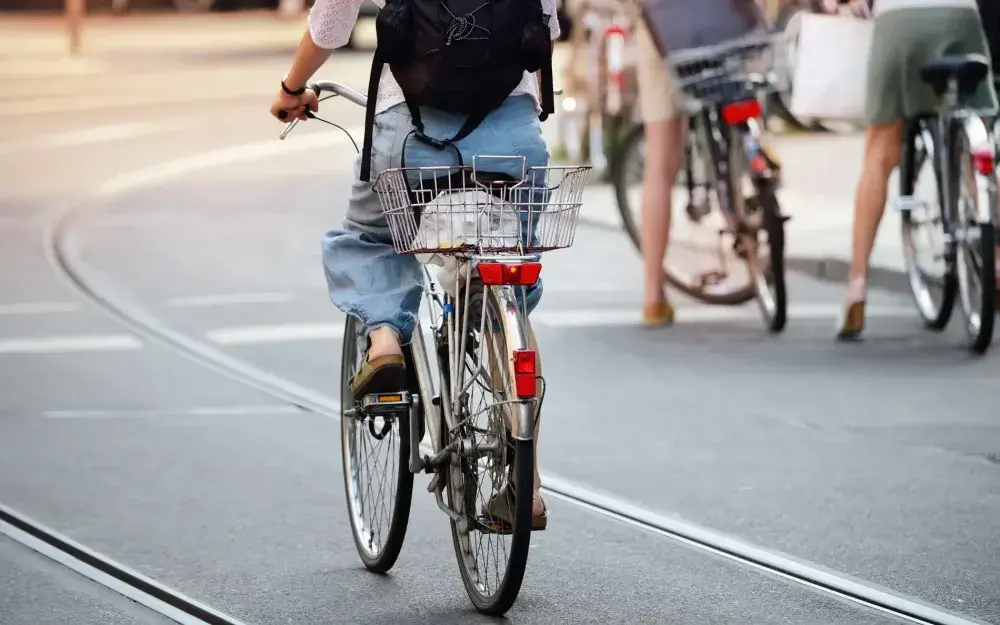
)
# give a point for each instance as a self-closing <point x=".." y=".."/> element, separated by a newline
<point x="904" y="41"/>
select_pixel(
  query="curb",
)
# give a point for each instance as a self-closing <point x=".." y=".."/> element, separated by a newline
<point x="827" y="269"/>
<point x="836" y="270"/>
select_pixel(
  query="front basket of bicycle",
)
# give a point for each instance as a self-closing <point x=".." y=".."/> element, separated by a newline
<point x="730" y="71"/>
<point x="455" y="210"/>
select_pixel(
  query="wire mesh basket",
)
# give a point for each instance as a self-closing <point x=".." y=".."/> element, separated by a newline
<point x="458" y="210"/>
<point x="722" y="73"/>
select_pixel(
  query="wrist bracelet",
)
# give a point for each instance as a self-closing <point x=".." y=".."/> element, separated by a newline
<point x="296" y="92"/>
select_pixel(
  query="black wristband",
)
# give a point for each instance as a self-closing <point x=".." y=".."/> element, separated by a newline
<point x="285" y="88"/>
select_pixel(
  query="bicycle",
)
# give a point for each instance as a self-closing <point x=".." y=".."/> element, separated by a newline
<point x="478" y="227"/>
<point x="726" y="171"/>
<point x="956" y="143"/>
<point x="591" y="126"/>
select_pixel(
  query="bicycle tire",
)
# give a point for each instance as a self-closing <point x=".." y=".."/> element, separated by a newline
<point x="979" y="316"/>
<point x="774" y="228"/>
<point x="619" y="168"/>
<point x="383" y="559"/>
<point x="935" y="315"/>
<point x="500" y="601"/>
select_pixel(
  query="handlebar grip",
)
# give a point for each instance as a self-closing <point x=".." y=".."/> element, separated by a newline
<point x="283" y="114"/>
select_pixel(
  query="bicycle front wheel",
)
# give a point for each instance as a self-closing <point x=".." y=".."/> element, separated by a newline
<point x="973" y="223"/>
<point x="377" y="479"/>
<point x="491" y="477"/>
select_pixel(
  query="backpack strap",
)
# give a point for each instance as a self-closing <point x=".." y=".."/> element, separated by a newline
<point x="373" y="81"/>
<point x="548" y="90"/>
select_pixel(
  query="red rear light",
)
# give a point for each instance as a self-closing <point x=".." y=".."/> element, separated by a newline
<point x="739" y="112"/>
<point x="525" y="380"/>
<point x="982" y="160"/>
<point x="517" y="274"/>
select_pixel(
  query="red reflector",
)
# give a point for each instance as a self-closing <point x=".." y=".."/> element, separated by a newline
<point x="519" y="274"/>
<point x="525" y="383"/>
<point x="524" y="361"/>
<point x="982" y="160"/>
<point x="739" y="112"/>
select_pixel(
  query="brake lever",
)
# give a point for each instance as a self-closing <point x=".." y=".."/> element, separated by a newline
<point x="289" y="126"/>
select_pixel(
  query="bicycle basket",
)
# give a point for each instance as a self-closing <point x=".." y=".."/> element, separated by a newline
<point x="734" y="70"/>
<point x="454" y="210"/>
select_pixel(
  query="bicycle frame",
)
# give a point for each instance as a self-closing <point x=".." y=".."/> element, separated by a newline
<point x="981" y="149"/>
<point x="731" y="133"/>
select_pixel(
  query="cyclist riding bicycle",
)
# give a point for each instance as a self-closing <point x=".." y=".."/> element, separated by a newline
<point x="908" y="34"/>
<point x="366" y="278"/>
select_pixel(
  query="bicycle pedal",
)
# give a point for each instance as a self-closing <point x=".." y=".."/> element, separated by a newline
<point x="385" y="403"/>
<point x="908" y="203"/>
<point x="488" y="525"/>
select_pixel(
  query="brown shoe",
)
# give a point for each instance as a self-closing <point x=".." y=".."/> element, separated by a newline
<point x="658" y="314"/>
<point x="852" y="323"/>
<point x="384" y="374"/>
<point x="498" y="513"/>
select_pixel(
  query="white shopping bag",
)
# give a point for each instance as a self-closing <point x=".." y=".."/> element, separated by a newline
<point x="831" y="67"/>
<point x="465" y="217"/>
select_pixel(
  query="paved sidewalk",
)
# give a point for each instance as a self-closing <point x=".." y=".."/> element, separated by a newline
<point x="820" y="176"/>
<point x="30" y="38"/>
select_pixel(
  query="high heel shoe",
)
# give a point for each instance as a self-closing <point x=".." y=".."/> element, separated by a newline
<point x="658" y="314"/>
<point x="852" y="322"/>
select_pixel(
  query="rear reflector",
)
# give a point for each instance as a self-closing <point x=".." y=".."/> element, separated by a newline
<point x="525" y="380"/>
<point x="982" y="160"/>
<point x="739" y="112"/>
<point x="519" y="274"/>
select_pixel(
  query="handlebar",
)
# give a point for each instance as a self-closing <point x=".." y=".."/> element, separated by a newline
<point x="336" y="89"/>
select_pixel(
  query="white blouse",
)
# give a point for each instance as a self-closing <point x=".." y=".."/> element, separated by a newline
<point x="331" y="23"/>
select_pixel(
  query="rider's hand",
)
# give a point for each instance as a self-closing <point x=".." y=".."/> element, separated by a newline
<point x="296" y="105"/>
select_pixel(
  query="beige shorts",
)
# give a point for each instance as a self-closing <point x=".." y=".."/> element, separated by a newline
<point x="657" y="96"/>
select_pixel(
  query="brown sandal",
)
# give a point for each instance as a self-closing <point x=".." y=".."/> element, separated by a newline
<point x="384" y="374"/>
<point x="497" y="513"/>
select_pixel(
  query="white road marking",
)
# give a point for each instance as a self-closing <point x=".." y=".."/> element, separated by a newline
<point x="227" y="156"/>
<point x="225" y="299"/>
<point x="38" y="308"/>
<point x="87" y="136"/>
<point x="205" y="411"/>
<point x="70" y="343"/>
<point x="269" y="334"/>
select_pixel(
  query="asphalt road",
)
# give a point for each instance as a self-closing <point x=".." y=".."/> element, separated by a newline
<point x="877" y="460"/>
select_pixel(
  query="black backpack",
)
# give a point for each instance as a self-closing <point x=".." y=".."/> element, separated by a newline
<point x="989" y="12"/>
<point x="460" y="56"/>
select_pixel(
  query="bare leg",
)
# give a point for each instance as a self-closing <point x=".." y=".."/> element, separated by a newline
<point x="882" y="150"/>
<point x="664" y="143"/>
<point x="385" y="342"/>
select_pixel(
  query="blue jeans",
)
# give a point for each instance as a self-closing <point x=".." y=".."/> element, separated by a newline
<point x="365" y="276"/>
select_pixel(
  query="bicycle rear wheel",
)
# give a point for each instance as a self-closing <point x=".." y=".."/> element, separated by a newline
<point x="626" y="174"/>
<point x="928" y="259"/>
<point x="490" y="480"/>
<point x="769" y="275"/>
<point x="378" y="491"/>
<point x="975" y="254"/>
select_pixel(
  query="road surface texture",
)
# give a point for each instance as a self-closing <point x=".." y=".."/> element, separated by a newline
<point x="880" y="460"/>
